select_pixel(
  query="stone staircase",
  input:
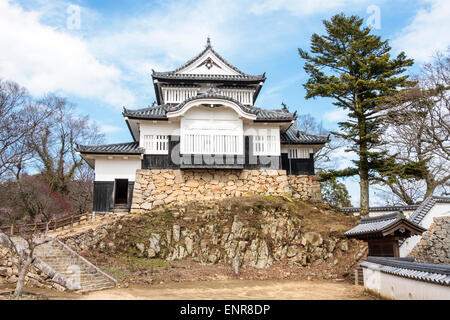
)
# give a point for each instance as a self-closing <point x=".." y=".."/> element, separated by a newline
<point x="64" y="266"/>
<point x="69" y="269"/>
<point x="120" y="208"/>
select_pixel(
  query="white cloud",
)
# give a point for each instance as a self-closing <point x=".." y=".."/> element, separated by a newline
<point x="335" y="115"/>
<point x="106" y="128"/>
<point x="43" y="59"/>
<point x="427" y="33"/>
<point x="160" y="38"/>
<point x="306" y="7"/>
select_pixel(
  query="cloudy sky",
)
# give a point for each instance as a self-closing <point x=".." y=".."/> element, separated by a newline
<point x="100" y="54"/>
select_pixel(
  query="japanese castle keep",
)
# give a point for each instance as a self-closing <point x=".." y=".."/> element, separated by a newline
<point x="204" y="138"/>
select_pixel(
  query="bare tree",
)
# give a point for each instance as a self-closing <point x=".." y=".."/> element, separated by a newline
<point x="417" y="135"/>
<point x="55" y="141"/>
<point x="322" y="158"/>
<point x="81" y="189"/>
<point x="19" y="117"/>
<point x="436" y="82"/>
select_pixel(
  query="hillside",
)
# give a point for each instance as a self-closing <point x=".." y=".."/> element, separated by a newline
<point x="261" y="237"/>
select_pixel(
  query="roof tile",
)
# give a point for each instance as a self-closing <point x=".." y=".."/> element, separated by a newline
<point x="439" y="274"/>
<point x="122" y="148"/>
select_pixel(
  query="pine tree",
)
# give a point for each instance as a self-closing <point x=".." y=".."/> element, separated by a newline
<point x="335" y="194"/>
<point x="355" y="69"/>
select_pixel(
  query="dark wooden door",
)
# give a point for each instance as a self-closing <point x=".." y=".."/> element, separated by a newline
<point x="121" y="191"/>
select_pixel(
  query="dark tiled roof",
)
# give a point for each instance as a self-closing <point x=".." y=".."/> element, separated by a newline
<point x="385" y="208"/>
<point x="294" y="135"/>
<point x="439" y="274"/>
<point x="207" y="77"/>
<point x="160" y="112"/>
<point x="426" y="206"/>
<point x="153" y="112"/>
<point x="376" y="225"/>
<point x="241" y="77"/>
<point x="121" y="148"/>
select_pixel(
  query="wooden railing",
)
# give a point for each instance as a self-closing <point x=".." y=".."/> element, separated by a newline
<point x="52" y="225"/>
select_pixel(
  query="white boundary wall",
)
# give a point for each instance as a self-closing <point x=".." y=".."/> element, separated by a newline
<point x="401" y="288"/>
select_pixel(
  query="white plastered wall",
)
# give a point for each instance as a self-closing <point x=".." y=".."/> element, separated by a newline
<point x="202" y="118"/>
<point x="401" y="288"/>
<point x="169" y="128"/>
<point x="116" y="168"/>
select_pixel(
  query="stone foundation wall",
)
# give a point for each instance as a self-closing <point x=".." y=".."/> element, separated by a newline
<point x="163" y="187"/>
<point x="434" y="247"/>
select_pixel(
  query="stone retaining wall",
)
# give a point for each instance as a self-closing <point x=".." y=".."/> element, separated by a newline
<point x="163" y="187"/>
<point x="34" y="278"/>
<point x="434" y="247"/>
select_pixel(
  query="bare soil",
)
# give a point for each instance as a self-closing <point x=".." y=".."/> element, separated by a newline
<point x="223" y="290"/>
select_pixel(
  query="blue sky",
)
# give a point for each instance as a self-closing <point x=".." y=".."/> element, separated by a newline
<point x="103" y="60"/>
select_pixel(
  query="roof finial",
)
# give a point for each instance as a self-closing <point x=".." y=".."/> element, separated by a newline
<point x="208" y="42"/>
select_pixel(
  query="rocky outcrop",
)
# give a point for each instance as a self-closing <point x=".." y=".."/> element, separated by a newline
<point x="166" y="187"/>
<point x="251" y="234"/>
<point x="434" y="247"/>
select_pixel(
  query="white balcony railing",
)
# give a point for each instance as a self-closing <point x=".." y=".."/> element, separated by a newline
<point x="266" y="145"/>
<point x="156" y="144"/>
<point x="243" y="96"/>
<point x="211" y="144"/>
<point x="178" y="95"/>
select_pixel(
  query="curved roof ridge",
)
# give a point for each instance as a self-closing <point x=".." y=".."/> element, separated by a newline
<point x="160" y="111"/>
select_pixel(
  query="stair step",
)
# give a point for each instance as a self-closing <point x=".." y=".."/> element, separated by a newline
<point x="62" y="260"/>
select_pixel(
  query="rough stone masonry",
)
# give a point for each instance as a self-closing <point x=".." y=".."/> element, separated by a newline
<point x="434" y="247"/>
<point x="164" y="187"/>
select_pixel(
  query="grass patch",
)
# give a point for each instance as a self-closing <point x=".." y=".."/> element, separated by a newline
<point x="134" y="262"/>
<point x="116" y="272"/>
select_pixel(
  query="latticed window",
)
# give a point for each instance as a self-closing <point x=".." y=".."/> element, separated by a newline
<point x="299" y="153"/>
<point x="266" y="145"/>
<point x="156" y="144"/>
<point x="211" y="144"/>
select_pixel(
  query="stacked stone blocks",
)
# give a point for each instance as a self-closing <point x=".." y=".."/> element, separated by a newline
<point x="164" y="187"/>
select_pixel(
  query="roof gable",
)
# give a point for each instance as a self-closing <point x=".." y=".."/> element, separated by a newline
<point x="209" y="63"/>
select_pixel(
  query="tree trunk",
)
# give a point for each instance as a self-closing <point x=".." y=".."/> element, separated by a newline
<point x="363" y="167"/>
<point x="364" y="192"/>
<point x="22" y="274"/>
